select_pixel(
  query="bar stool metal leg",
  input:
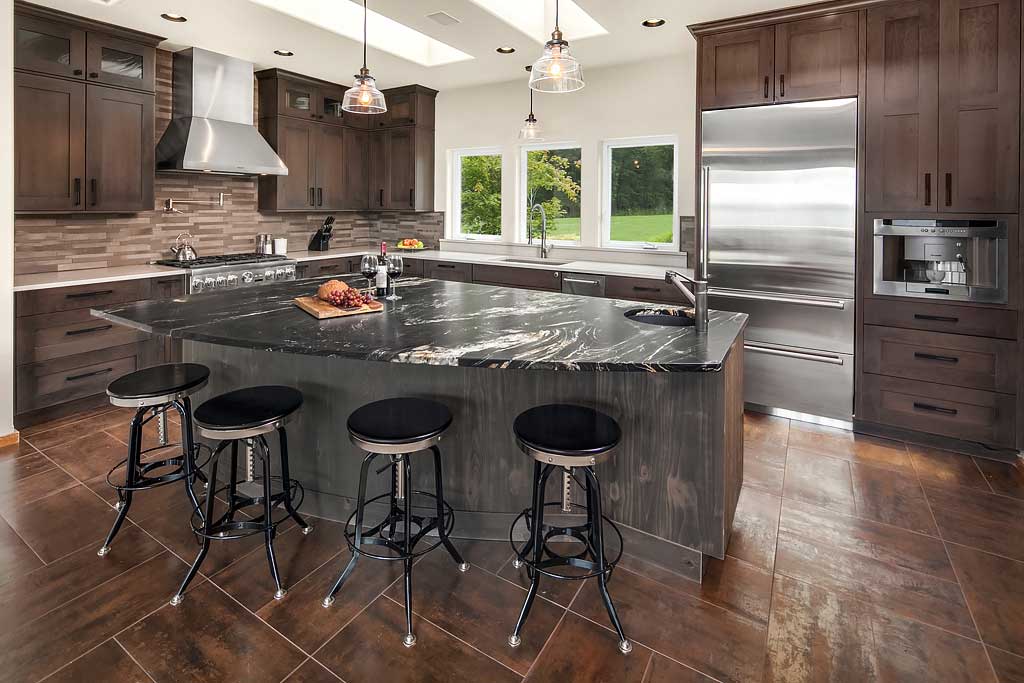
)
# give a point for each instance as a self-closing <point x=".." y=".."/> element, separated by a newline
<point x="286" y="479"/>
<point x="410" y="638"/>
<point x="207" y="528"/>
<point x="188" y="451"/>
<point x="442" y="527"/>
<point x="361" y="497"/>
<point x="540" y="479"/>
<point x="268" y="510"/>
<point x="597" y="533"/>
<point x="124" y="497"/>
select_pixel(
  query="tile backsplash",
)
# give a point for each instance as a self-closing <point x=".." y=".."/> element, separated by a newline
<point x="73" y="242"/>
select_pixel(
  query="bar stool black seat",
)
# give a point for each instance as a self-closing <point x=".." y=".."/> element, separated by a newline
<point x="152" y="392"/>
<point x="247" y="415"/>
<point x="575" y="439"/>
<point x="397" y="428"/>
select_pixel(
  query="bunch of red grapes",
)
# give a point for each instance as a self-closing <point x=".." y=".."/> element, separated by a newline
<point x="348" y="298"/>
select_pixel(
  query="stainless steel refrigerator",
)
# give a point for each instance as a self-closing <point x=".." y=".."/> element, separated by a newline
<point x="780" y="185"/>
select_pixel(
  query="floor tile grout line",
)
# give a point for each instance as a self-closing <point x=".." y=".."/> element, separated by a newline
<point x="132" y="657"/>
<point x="452" y="635"/>
<point x="982" y="473"/>
<point x="23" y="540"/>
<point x="775" y="562"/>
<point x="547" y="642"/>
<point x="647" y="667"/>
<point x="72" y="661"/>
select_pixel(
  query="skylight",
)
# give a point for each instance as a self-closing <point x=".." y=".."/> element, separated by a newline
<point x="536" y="18"/>
<point x="346" y="19"/>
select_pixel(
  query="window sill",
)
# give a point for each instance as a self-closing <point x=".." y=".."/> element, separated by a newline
<point x="560" y="245"/>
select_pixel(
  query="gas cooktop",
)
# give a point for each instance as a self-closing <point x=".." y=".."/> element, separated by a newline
<point x="223" y="260"/>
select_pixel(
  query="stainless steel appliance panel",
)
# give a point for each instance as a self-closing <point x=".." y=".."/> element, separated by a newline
<point x="782" y="196"/>
<point x="811" y="383"/>
<point x="813" y="323"/>
<point x="583" y="283"/>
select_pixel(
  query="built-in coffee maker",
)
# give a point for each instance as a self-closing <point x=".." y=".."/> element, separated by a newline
<point x="958" y="260"/>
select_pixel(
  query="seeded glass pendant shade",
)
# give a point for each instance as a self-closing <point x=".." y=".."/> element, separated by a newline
<point x="364" y="97"/>
<point x="557" y="70"/>
<point x="531" y="130"/>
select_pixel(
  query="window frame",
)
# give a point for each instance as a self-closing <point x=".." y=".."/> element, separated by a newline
<point x="455" y="191"/>
<point x="606" y="191"/>
<point x="522" y="211"/>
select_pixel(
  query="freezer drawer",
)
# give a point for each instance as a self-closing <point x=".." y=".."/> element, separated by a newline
<point x="821" y="323"/>
<point x="799" y="380"/>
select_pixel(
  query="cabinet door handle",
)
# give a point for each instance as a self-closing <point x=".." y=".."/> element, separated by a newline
<point x="949" y="189"/>
<point x="88" y="330"/>
<point x="936" y="318"/>
<point x="312" y="196"/>
<point x="782" y="85"/>
<point x="94" y="191"/>
<point x="935" y="409"/>
<point x="78" y="192"/>
<point x="382" y="197"/>
<point x="88" y="295"/>
<point x="927" y="189"/>
<point x="320" y="196"/>
<point x="412" y="197"/>
<point x="932" y="356"/>
<point x="85" y="375"/>
<point x="766" y="82"/>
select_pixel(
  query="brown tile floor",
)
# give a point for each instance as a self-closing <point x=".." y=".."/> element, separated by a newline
<point x="852" y="559"/>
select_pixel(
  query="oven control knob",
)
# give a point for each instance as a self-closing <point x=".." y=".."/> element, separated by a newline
<point x="222" y="281"/>
<point x="248" y="277"/>
<point x="289" y="272"/>
<point x="280" y="274"/>
<point x="209" y="283"/>
<point x="197" y="286"/>
<point x="232" y="280"/>
<point x="269" y="275"/>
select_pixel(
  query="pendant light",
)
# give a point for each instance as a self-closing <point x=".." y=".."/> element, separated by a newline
<point x="364" y="97"/>
<point x="531" y="130"/>
<point x="557" y="70"/>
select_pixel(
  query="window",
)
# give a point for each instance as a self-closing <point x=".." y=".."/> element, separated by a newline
<point x="640" y="193"/>
<point x="476" y="194"/>
<point x="551" y="178"/>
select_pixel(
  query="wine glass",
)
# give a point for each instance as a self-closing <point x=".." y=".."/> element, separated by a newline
<point x="395" y="268"/>
<point x="368" y="267"/>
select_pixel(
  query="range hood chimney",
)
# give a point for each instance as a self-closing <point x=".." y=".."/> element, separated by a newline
<point x="211" y="130"/>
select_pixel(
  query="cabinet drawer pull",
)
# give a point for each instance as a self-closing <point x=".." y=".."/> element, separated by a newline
<point x="382" y="197"/>
<point x="95" y="192"/>
<point x="935" y="409"/>
<point x="445" y="265"/>
<point x="88" y="295"/>
<point x="87" y="330"/>
<point x="76" y="72"/>
<point x="782" y="85"/>
<point x="949" y="189"/>
<point x="766" y="81"/>
<point x="936" y="318"/>
<point x="78" y="192"/>
<point x="927" y="189"/>
<point x="93" y="74"/>
<point x="578" y="281"/>
<point x="932" y="356"/>
<point x="936" y="290"/>
<point x="86" y="375"/>
<point x="638" y="288"/>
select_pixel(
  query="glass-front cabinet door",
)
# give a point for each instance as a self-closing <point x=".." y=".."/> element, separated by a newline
<point x="49" y="47"/>
<point x="330" y="105"/>
<point x="112" y="61"/>
<point x="297" y="99"/>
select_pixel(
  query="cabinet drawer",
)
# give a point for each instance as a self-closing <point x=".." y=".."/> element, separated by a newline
<point x="55" y="335"/>
<point x="954" y="359"/>
<point x="967" y="414"/>
<point x="327" y="267"/>
<point x="642" y="289"/>
<point x="98" y="295"/>
<point x="67" y="379"/>
<point x="981" y="322"/>
<point x="527" y="278"/>
<point x="457" y="272"/>
<point x="412" y="267"/>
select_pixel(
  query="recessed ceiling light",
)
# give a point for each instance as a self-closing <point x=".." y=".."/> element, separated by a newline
<point x="653" y="23"/>
<point x="284" y="53"/>
<point x="176" y="18"/>
<point x="505" y="50"/>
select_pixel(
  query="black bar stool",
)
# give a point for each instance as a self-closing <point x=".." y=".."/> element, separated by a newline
<point x="152" y="392"/>
<point x="398" y="427"/>
<point x="247" y="415"/>
<point x="575" y="439"/>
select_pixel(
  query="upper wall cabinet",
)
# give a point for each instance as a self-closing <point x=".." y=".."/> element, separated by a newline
<point x="942" y="106"/>
<point x="801" y="60"/>
<point x="84" y="113"/>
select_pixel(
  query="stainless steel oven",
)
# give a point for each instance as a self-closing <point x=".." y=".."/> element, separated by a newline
<point x="958" y="260"/>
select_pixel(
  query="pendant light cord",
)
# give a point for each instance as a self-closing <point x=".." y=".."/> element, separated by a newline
<point x="531" y="101"/>
<point x="556" y="14"/>
<point x="364" y="33"/>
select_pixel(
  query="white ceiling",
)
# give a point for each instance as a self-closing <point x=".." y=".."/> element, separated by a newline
<point x="243" y="29"/>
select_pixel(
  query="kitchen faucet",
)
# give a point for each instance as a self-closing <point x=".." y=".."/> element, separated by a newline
<point x="543" y="229"/>
<point x="696" y="288"/>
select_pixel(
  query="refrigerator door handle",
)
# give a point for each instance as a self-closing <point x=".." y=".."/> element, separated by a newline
<point x="820" y="302"/>
<point x="700" y="271"/>
<point x="768" y="349"/>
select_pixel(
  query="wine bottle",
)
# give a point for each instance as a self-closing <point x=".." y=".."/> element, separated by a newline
<point x="382" y="272"/>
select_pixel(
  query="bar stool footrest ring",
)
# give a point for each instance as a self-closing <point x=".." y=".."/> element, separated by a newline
<point x="557" y="559"/>
<point x="426" y="525"/>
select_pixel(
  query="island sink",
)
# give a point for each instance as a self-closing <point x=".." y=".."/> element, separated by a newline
<point x="669" y="317"/>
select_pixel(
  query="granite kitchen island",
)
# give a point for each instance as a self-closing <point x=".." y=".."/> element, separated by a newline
<point x="490" y="353"/>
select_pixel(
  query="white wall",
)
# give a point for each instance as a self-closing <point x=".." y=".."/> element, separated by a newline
<point x="6" y="217"/>
<point x="618" y="102"/>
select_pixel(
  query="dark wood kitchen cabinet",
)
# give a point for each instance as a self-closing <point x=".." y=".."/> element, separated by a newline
<point x="356" y="188"/>
<point x="331" y="167"/>
<point x="943" y="104"/>
<point x="816" y="58"/>
<point x="84" y="114"/>
<point x="737" y="68"/>
<point x="377" y="170"/>
<point x="407" y="172"/>
<point x="294" y="140"/>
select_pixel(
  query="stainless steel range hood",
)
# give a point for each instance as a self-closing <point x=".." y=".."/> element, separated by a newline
<point x="212" y="129"/>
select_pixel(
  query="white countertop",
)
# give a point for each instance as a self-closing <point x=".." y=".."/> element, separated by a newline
<point x="71" y="278"/>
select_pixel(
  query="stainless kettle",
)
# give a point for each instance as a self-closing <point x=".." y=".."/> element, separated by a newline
<point x="183" y="249"/>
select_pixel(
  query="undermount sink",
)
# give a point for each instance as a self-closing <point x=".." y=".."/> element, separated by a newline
<point x="534" y="261"/>
<point x="670" y="317"/>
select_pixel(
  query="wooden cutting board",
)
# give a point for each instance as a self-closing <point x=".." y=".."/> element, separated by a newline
<point x="321" y="310"/>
